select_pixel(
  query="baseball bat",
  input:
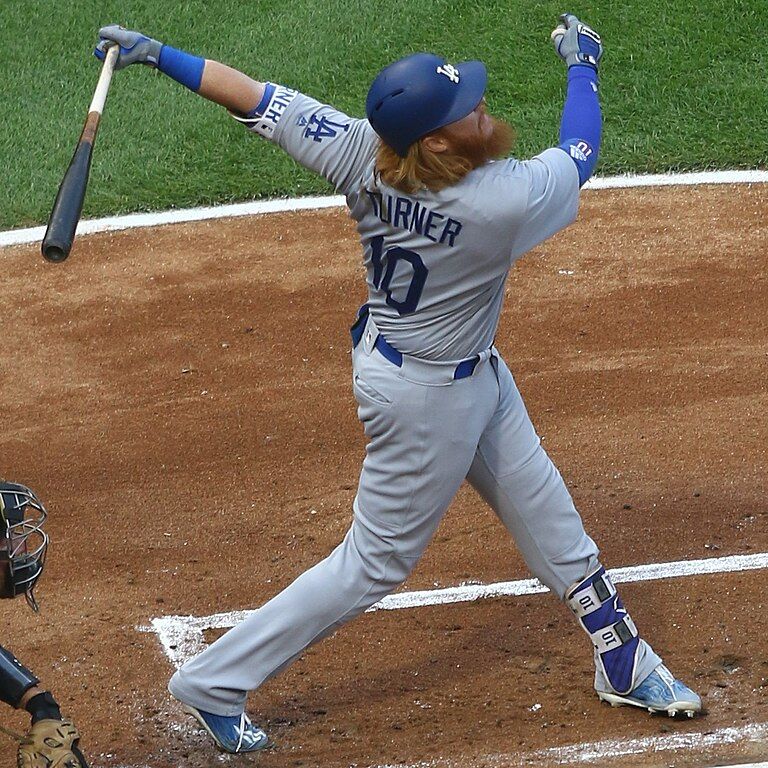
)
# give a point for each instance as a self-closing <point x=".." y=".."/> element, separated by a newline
<point x="68" y="205"/>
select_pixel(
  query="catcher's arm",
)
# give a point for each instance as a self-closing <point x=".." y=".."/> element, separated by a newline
<point x="210" y="79"/>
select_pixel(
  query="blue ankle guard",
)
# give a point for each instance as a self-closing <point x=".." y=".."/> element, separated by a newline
<point x="601" y="613"/>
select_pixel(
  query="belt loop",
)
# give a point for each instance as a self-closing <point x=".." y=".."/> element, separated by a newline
<point x="370" y="335"/>
<point x="495" y="361"/>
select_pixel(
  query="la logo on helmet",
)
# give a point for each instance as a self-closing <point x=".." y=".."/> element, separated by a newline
<point x="449" y="71"/>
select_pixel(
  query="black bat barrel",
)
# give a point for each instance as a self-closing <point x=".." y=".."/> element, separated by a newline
<point x="68" y="206"/>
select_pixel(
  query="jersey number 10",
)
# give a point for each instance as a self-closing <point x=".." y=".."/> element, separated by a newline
<point x="384" y="265"/>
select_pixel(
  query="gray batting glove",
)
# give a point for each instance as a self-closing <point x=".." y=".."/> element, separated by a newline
<point x="576" y="43"/>
<point x="135" y="48"/>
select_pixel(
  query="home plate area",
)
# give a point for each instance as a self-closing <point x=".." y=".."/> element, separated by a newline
<point x="182" y="637"/>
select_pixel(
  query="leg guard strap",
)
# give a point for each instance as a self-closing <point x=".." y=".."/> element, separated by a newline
<point x="15" y="678"/>
<point x="596" y="604"/>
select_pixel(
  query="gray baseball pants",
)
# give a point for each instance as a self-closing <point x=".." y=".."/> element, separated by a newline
<point x="427" y="433"/>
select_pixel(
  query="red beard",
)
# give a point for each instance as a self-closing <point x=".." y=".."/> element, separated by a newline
<point x="480" y="149"/>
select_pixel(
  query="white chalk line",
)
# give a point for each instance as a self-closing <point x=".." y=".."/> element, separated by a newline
<point x="182" y="636"/>
<point x="182" y="215"/>
<point x="177" y="216"/>
<point x="602" y="751"/>
<point x="589" y="752"/>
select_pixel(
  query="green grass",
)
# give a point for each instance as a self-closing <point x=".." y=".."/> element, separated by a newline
<point x="684" y="86"/>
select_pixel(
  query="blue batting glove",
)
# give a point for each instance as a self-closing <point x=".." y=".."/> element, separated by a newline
<point x="576" y="43"/>
<point x="135" y="48"/>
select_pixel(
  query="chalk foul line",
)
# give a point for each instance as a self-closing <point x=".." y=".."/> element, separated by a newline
<point x="599" y="752"/>
<point x="182" y="636"/>
<point x="179" y="216"/>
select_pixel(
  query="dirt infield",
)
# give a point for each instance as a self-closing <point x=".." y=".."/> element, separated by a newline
<point x="181" y="400"/>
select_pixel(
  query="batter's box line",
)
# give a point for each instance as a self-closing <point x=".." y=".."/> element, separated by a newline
<point x="600" y="752"/>
<point x="181" y="637"/>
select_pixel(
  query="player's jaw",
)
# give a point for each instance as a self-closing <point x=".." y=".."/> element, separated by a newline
<point x="478" y="137"/>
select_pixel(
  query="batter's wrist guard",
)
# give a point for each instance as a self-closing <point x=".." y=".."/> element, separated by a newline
<point x="181" y="66"/>
<point x="598" y="608"/>
<point x="15" y="679"/>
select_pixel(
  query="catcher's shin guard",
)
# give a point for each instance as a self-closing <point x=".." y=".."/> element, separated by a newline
<point x="15" y="678"/>
<point x="599" y="609"/>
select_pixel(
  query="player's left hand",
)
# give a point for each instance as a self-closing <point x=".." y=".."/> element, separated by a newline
<point x="135" y="48"/>
<point x="576" y="43"/>
<point x="51" y="744"/>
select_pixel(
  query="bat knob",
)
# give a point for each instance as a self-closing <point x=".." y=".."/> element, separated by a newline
<point x="54" y="253"/>
<point x="55" y="249"/>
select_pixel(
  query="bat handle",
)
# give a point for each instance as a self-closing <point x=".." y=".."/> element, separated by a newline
<point x="102" y="87"/>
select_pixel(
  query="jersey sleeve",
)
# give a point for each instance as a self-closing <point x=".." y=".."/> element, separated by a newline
<point x="552" y="180"/>
<point x="317" y="136"/>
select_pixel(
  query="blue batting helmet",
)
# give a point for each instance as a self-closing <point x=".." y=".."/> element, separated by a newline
<point x="421" y="93"/>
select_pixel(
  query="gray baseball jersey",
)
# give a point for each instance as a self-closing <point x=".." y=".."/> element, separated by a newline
<point x="436" y="263"/>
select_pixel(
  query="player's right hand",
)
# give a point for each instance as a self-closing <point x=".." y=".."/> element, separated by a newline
<point x="135" y="48"/>
<point x="576" y="43"/>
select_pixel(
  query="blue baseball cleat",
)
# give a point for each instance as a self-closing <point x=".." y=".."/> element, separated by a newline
<point x="659" y="692"/>
<point x="234" y="734"/>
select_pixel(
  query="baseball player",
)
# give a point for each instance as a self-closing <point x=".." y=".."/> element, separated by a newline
<point x="441" y="220"/>
<point x="51" y="740"/>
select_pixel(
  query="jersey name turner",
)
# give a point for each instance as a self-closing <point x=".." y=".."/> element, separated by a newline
<point x="412" y="215"/>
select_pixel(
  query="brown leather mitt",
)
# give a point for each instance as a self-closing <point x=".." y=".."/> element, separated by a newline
<point x="51" y="744"/>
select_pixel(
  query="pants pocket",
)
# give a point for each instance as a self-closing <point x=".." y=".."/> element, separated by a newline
<point x="367" y="391"/>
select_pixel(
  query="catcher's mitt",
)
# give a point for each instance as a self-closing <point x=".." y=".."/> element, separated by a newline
<point x="51" y="744"/>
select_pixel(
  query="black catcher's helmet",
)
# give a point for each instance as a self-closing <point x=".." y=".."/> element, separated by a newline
<point x="23" y="543"/>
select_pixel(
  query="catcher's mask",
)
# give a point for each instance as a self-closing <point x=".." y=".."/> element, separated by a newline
<point x="23" y="543"/>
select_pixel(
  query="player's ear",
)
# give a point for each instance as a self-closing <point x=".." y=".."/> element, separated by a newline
<point x="434" y="142"/>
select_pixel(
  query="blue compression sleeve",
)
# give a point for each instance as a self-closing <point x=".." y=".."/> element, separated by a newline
<point x="581" y="124"/>
<point x="183" y="67"/>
